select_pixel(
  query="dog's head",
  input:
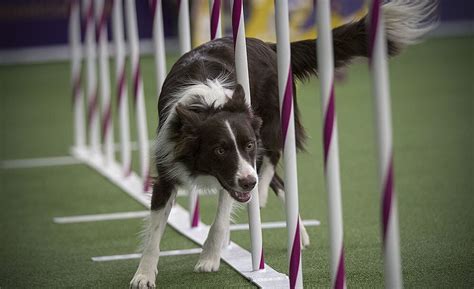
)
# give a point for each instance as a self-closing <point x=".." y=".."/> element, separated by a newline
<point x="221" y="142"/>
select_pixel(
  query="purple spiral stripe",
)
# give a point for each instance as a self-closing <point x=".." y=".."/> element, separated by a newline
<point x="329" y="120"/>
<point x="295" y="256"/>
<point x="215" y="15"/>
<point x="388" y="191"/>
<point x="107" y="120"/>
<point x="92" y="108"/>
<point x="153" y="4"/>
<point x="101" y="24"/>
<point x="287" y="106"/>
<point x="73" y="4"/>
<point x="340" y="274"/>
<point x="262" y="262"/>
<point x="236" y="12"/>
<point x="136" y="82"/>
<point x="329" y="123"/>
<point x="374" y="26"/>
<point x="195" y="221"/>
<point x="128" y="170"/>
<point x="121" y="86"/>
<point x="90" y="12"/>
<point x="87" y="19"/>
<point x="387" y="198"/>
<point x="70" y="7"/>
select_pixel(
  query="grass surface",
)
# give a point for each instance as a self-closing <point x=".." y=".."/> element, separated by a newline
<point x="432" y="105"/>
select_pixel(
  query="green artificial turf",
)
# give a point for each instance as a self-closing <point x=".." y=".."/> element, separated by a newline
<point x="432" y="90"/>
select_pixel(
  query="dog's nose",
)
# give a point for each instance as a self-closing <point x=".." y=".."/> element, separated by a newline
<point x="247" y="183"/>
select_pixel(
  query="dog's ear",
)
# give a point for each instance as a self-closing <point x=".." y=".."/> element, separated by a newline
<point x="237" y="103"/>
<point x="187" y="117"/>
<point x="186" y="133"/>
<point x="239" y="94"/>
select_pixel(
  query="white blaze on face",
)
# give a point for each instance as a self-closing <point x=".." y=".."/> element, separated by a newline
<point x="244" y="169"/>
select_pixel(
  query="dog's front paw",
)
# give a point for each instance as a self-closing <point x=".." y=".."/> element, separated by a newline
<point x="143" y="280"/>
<point x="207" y="265"/>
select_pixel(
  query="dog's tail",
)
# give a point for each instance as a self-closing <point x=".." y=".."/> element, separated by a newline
<point x="406" y="21"/>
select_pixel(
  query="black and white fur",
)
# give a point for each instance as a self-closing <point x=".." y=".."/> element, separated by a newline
<point x="210" y="139"/>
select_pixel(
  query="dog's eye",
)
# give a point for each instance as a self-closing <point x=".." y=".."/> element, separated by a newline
<point x="219" y="151"/>
<point x="250" y="145"/>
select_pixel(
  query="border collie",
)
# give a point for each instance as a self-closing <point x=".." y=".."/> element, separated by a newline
<point x="210" y="139"/>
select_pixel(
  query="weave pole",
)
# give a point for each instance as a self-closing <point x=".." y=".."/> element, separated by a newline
<point x="285" y="89"/>
<point x="159" y="44"/>
<point x="380" y="86"/>
<point x="185" y="46"/>
<point x="241" y="67"/>
<point x="121" y="88"/>
<point x="138" y="94"/>
<point x="104" y="78"/>
<point x="330" y="141"/>
<point x="92" y="110"/>
<point x="183" y="26"/>
<point x="76" y="71"/>
<point x="215" y="24"/>
<point x="216" y="32"/>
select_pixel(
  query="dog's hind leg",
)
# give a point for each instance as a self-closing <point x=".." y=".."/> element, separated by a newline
<point x="162" y="201"/>
<point x="210" y="258"/>
<point x="278" y="187"/>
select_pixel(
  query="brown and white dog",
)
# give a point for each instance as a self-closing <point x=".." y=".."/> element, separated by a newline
<point x="210" y="139"/>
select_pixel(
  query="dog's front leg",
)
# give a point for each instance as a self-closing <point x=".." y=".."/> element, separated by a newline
<point x="210" y="258"/>
<point x="147" y="269"/>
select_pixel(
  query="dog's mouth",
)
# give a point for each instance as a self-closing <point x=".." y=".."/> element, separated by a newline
<point x="241" y="197"/>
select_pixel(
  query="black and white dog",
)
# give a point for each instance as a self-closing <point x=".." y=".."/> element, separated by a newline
<point x="210" y="139"/>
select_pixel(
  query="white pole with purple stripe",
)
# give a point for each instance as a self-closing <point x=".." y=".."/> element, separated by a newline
<point x="104" y="78"/>
<point x="121" y="88"/>
<point x="380" y="86"/>
<point x="215" y="32"/>
<point x="92" y="110"/>
<point x="138" y="94"/>
<point x="331" y="143"/>
<point x="241" y="67"/>
<point x="183" y="26"/>
<point x="215" y="23"/>
<point x="159" y="44"/>
<point x="76" y="78"/>
<point x="194" y="208"/>
<point x="285" y="89"/>
<point x="185" y="46"/>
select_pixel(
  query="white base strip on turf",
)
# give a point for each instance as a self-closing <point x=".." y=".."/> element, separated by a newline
<point x="52" y="161"/>
<point x="39" y="162"/>
<point x="272" y="225"/>
<point x="234" y="255"/>
<point x="143" y="214"/>
<point x="138" y="255"/>
<point x="101" y="217"/>
<point x="233" y="227"/>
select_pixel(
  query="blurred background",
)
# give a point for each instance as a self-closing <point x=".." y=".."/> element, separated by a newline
<point x="36" y="30"/>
